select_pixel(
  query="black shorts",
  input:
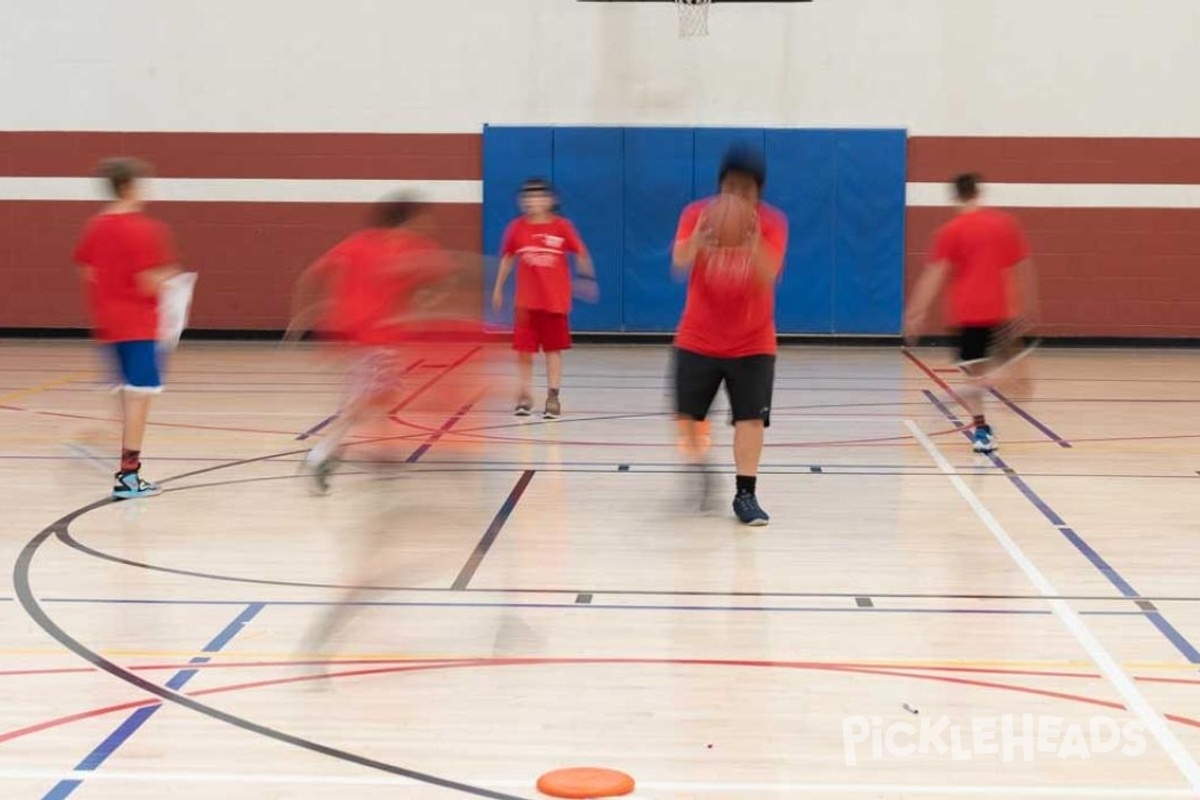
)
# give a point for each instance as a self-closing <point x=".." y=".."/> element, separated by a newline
<point x="994" y="344"/>
<point x="975" y="344"/>
<point x="749" y="382"/>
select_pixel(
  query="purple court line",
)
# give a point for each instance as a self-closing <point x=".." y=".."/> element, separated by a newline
<point x="1172" y="634"/>
<point x="320" y="426"/>
<point x="138" y="718"/>
<point x="1032" y="420"/>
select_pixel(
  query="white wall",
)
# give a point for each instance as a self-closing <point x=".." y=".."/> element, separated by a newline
<point x="1036" y="67"/>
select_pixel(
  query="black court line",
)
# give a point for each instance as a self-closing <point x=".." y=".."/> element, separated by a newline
<point x="489" y="537"/>
<point x="69" y="540"/>
<point x="583" y="598"/>
<point x="32" y="607"/>
<point x="864" y="602"/>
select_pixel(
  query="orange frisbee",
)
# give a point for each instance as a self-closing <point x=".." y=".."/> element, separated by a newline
<point x="585" y="782"/>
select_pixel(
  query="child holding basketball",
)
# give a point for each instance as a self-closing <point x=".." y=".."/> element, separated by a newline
<point x="126" y="257"/>
<point x="539" y="242"/>
<point x="733" y="247"/>
<point x="982" y="260"/>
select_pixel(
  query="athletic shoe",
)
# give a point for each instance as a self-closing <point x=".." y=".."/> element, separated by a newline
<point x="553" y="407"/>
<point x="984" y="441"/>
<point x="524" y="406"/>
<point x="130" y="486"/>
<point x="748" y="510"/>
<point x="322" y="473"/>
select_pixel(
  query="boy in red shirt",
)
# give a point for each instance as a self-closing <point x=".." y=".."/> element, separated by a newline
<point x="540" y="241"/>
<point x="727" y="333"/>
<point x="982" y="259"/>
<point x="366" y="290"/>
<point x="126" y="257"/>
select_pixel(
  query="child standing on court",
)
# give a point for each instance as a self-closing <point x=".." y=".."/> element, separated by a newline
<point x="540" y="241"/>
<point x="126" y="258"/>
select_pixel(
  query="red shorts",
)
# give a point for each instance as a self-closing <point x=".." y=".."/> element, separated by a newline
<point x="535" y="330"/>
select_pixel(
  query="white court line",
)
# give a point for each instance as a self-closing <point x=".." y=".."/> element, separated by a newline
<point x="1108" y="666"/>
<point x="663" y="786"/>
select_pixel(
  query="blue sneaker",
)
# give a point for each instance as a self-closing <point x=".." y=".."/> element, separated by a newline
<point x="749" y="511"/>
<point x="130" y="486"/>
<point x="984" y="441"/>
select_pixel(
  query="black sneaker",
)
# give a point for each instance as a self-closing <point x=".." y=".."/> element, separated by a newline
<point x="524" y="406"/>
<point x="748" y="510"/>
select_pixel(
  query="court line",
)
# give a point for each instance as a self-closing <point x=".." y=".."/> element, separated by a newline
<point x="592" y="605"/>
<point x="69" y="540"/>
<point x="96" y="758"/>
<point x="1106" y="663"/>
<point x="44" y="387"/>
<point x="489" y="537"/>
<point x="816" y="789"/>
<point x="21" y="581"/>
<point x="1032" y="420"/>
<point x="315" y="429"/>
<point x="1173" y="635"/>
<point x="1022" y="413"/>
<point x="534" y="662"/>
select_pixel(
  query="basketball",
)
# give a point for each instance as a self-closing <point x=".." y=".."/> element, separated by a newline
<point x="731" y="220"/>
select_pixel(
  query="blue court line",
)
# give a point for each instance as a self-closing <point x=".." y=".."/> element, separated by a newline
<point x="315" y="429"/>
<point x="439" y="433"/>
<point x="595" y="606"/>
<point x="139" y="717"/>
<point x="1032" y="420"/>
<point x="1177" y="639"/>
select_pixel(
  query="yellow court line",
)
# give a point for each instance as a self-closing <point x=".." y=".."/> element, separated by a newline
<point x="20" y="394"/>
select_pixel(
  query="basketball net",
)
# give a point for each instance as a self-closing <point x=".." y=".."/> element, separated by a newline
<point x="693" y="18"/>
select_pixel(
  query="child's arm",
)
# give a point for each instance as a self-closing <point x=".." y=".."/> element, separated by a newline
<point x="149" y="281"/>
<point x="928" y="286"/>
<point x="307" y="300"/>
<point x="506" y="265"/>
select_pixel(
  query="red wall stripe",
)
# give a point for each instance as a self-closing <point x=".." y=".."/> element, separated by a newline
<point x="937" y="159"/>
<point x="248" y="255"/>
<point x="1102" y="272"/>
<point x="381" y="156"/>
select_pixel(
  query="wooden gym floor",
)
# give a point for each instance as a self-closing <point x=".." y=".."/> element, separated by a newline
<point x="536" y="595"/>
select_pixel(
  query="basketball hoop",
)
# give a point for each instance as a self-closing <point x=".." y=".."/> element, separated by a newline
<point x="693" y="18"/>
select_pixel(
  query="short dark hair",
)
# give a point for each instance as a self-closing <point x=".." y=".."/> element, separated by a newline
<point x="536" y="186"/>
<point x="744" y="159"/>
<point x="395" y="211"/>
<point x="966" y="186"/>
<point x="121" y="173"/>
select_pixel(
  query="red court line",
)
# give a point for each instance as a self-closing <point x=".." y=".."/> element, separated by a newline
<point x="441" y="374"/>
<point x="409" y="666"/>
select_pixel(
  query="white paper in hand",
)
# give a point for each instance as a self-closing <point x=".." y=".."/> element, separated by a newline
<point x="174" y="305"/>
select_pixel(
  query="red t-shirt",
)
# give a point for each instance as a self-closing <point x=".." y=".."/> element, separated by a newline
<point x="980" y="247"/>
<point x="729" y="312"/>
<point x="373" y="276"/>
<point x="115" y="248"/>
<point x="543" y="272"/>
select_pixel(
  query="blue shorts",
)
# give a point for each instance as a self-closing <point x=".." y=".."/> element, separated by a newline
<point x="137" y="366"/>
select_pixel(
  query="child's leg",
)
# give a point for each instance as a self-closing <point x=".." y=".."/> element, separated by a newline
<point x="141" y="381"/>
<point x="525" y="373"/>
<point x="554" y="361"/>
